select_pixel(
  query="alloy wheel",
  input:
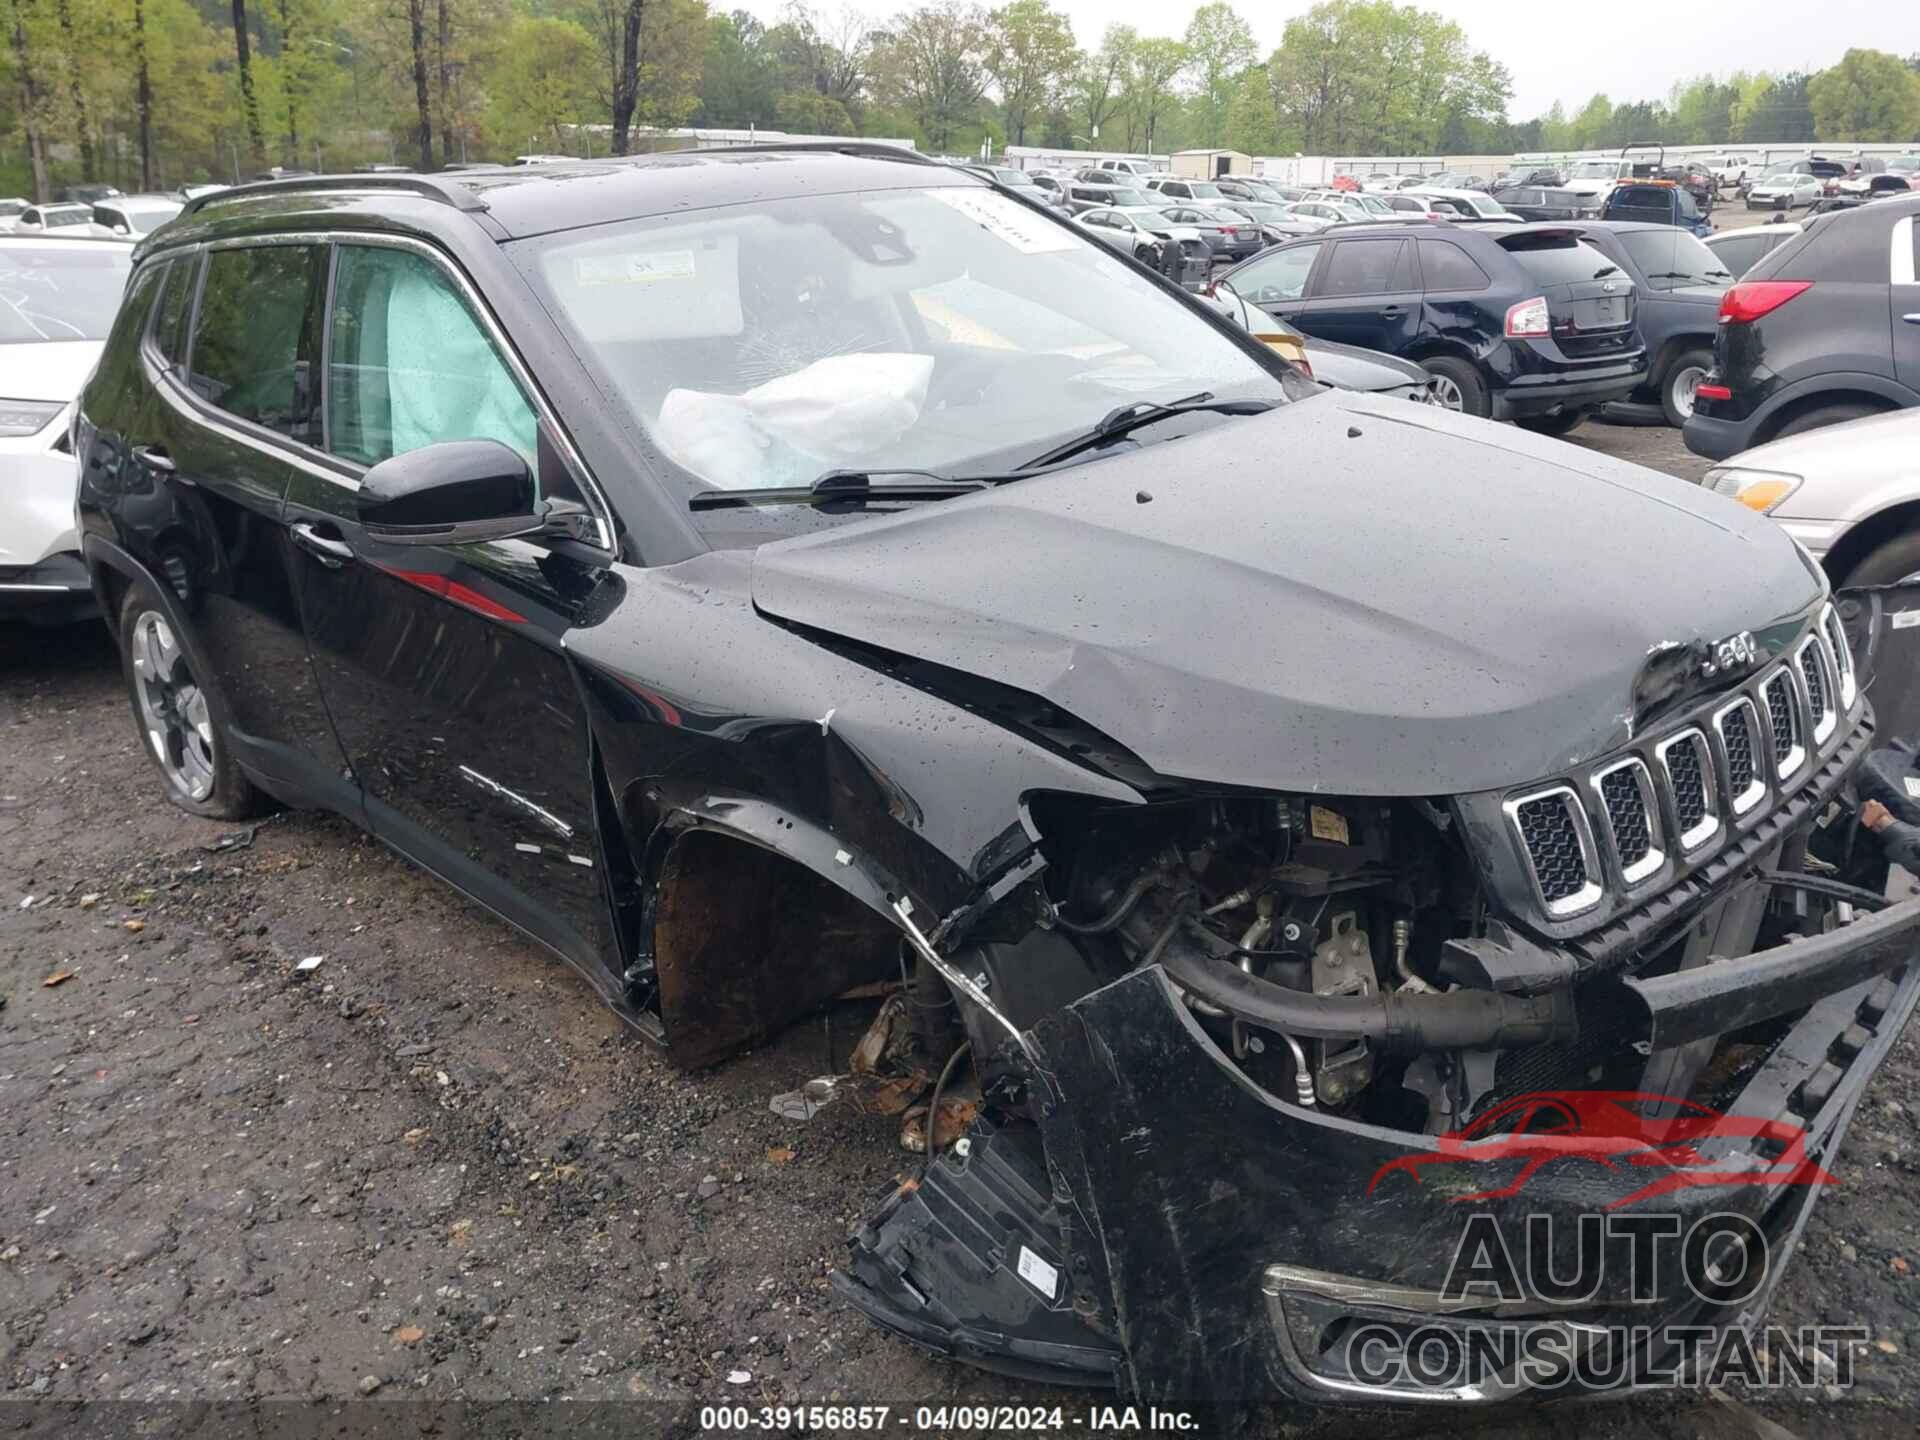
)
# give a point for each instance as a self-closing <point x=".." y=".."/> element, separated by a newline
<point x="173" y="707"/>
<point x="1446" y="393"/>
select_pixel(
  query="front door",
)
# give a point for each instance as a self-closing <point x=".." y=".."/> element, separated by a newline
<point x="233" y="360"/>
<point x="442" y="665"/>
<point x="1365" y="294"/>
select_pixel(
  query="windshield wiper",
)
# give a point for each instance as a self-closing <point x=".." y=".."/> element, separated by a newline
<point x="843" y="490"/>
<point x="1128" y="418"/>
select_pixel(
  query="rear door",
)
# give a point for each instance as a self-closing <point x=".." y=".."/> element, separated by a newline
<point x="442" y="665"/>
<point x="1904" y="260"/>
<point x="1367" y="293"/>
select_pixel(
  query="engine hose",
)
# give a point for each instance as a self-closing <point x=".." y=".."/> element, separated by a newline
<point x="1122" y="908"/>
<point x="1395" y="1020"/>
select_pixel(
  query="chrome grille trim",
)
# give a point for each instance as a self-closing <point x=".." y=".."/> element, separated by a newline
<point x="1816" y="668"/>
<point x="1835" y="635"/>
<point x="1588" y="895"/>
<point x="1703" y="830"/>
<point x="1638" y="869"/>
<point x="1781" y="691"/>
<point x="1755" y="790"/>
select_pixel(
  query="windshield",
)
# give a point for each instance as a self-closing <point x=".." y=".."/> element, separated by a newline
<point x="1261" y="210"/>
<point x="1012" y="177"/>
<point x="1124" y="196"/>
<point x="1595" y="170"/>
<point x="948" y="329"/>
<point x="1670" y="258"/>
<point x="1203" y="190"/>
<point x="54" y="219"/>
<point x="65" y="291"/>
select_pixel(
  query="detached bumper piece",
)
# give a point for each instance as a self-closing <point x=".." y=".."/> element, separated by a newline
<point x="969" y="1263"/>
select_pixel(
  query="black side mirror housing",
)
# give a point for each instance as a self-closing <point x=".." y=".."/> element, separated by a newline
<point x="457" y="492"/>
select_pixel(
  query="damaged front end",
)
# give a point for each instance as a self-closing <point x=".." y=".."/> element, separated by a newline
<point x="1251" y="1061"/>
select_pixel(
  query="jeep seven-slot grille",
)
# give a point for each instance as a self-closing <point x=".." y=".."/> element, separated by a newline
<point x="1626" y="815"/>
<point x="1687" y="768"/>
<point x="1603" y="831"/>
<point x="1781" y="716"/>
<point x="1553" y="846"/>
<point x="1737" y="730"/>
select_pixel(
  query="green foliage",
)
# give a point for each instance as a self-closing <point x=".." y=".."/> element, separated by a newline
<point x="1029" y="53"/>
<point x="1220" y="46"/>
<point x="1870" y="95"/>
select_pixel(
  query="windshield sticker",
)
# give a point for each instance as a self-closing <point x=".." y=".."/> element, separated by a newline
<point x="633" y="269"/>
<point x="1007" y="219"/>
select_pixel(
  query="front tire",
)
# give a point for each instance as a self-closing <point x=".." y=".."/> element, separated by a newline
<point x="1888" y="563"/>
<point x="1683" y="377"/>
<point x="175" y="717"/>
<point x="1562" y="422"/>
<point x="1458" y="386"/>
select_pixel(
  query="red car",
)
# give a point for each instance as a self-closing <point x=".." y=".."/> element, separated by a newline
<point x="1616" y="1128"/>
<point x="1343" y="182"/>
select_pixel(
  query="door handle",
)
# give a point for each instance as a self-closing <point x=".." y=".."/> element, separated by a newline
<point x="1913" y="319"/>
<point x="329" y="550"/>
<point x="154" y="457"/>
<point x="1391" y="312"/>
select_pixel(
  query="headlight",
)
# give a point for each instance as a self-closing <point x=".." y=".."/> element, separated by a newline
<point x="27" y="417"/>
<point x="1761" y="490"/>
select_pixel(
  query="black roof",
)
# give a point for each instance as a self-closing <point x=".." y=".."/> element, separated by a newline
<point x="525" y="200"/>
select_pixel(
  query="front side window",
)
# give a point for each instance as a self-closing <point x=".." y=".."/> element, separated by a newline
<point x="411" y="365"/>
<point x="258" y="335"/>
<point x="946" y="328"/>
<point x="1277" y="276"/>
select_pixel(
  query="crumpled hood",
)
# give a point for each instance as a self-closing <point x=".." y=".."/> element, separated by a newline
<point x="1431" y="605"/>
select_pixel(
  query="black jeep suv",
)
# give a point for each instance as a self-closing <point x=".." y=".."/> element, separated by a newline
<point x="756" y="573"/>
<point x="1533" y="326"/>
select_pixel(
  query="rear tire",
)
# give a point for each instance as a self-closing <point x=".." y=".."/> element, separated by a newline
<point x="1458" y="386"/>
<point x="1563" y="422"/>
<point x="1887" y="563"/>
<point x="1823" y="416"/>
<point x="1683" y="377"/>
<point x="174" y="717"/>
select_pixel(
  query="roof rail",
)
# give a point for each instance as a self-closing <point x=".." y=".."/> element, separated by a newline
<point x="871" y="149"/>
<point x="447" y="192"/>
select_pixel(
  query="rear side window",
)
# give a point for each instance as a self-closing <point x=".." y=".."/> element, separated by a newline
<point x="1448" y="267"/>
<point x="1560" y="261"/>
<point x="412" y="365"/>
<point x="176" y="311"/>
<point x="1363" y="267"/>
<point x="259" y="334"/>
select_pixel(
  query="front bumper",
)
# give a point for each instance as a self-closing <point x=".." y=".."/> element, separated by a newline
<point x="53" y="592"/>
<point x="1192" y="1236"/>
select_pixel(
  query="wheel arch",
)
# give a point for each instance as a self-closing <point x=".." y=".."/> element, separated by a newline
<point x="1867" y="536"/>
<point x="1870" y="390"/>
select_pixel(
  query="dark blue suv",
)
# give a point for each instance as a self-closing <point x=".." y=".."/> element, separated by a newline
<point x="1533" y="326"/>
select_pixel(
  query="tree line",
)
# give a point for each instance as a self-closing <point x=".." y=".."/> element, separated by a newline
<point x="150" y="94"/>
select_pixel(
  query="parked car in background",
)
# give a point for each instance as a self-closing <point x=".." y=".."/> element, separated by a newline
<point x="1020" y="183"/>
<point x="1729" y="171"/>
<point x="1276" y="222"/>
<point x="1471" y="206"/>
<point x="1345" y="367"/>
<point x="85" y="194"/>
<point x="1786" y="189"/>
<point x="1850" y="493"/>
<point x="61" y="296"/>
<point x="1343" y="183"/>
<point x="1180" y="252"/>
<point x="10" y="212"/>
<point x="1654" y="202"/>
<point x="1740" y="250"/>
<point x="1456" y="180"/>
<point x="1859" y="176"/>
<point x="43" y="219"/>
<point x="1244" y="187"/>
<point x="1083" y="195"/>
<point x="1408" y="205"/>
<point x="1591" y="179"/>
<point x="1178" y="187"/>
<point x="1531" y="326"/>
<point x="128" y="217"/>
<point x="1533" y="202"/>
<point x="1826" y="328"/>
<point x="1324" y="211"/>
<point x="1678" y="283"/>
<point x="194" y="192"/>
<point x="1229" y="234"/>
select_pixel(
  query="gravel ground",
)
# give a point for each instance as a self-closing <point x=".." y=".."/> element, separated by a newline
<point x="433" y="1166"/>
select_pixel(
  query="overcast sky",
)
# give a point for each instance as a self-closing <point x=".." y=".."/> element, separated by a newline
<point x="1631" y="49"/>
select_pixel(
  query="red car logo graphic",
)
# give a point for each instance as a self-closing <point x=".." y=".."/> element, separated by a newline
<point x="1622" y="1130"/>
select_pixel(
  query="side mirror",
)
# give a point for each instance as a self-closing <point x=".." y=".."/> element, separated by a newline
<point x="458" y="492"/>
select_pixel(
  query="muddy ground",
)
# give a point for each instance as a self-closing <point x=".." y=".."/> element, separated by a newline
<point x="435" y="1167"/>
